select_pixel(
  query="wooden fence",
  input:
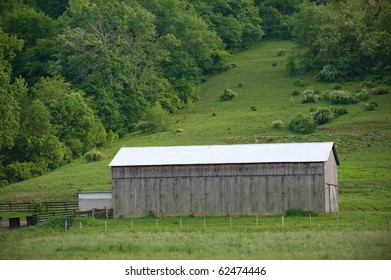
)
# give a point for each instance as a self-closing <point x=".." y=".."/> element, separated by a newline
<point x="46" y="207"/>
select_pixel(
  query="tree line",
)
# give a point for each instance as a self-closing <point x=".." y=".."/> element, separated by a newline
<point x="75" y="74"/>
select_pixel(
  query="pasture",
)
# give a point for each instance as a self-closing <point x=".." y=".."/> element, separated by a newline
<point x="363" y="143"/>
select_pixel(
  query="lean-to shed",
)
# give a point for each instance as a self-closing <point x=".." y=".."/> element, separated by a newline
<point x="94" y="200"/>
<point x="251" y="179"/>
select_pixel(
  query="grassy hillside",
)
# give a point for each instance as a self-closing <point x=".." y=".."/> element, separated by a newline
<point x="362" y="137"/>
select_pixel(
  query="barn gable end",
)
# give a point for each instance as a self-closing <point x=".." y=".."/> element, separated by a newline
<point x="223" y="180"/>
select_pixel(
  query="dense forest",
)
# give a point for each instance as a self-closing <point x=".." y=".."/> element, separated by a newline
<point x="76" y="74"/>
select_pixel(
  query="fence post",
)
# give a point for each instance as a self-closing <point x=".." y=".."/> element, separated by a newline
<point x="282" y="220"/>
<point x="310" y="219"/>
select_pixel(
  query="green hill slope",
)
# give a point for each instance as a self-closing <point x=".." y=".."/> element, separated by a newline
<point x="263" y="88"/>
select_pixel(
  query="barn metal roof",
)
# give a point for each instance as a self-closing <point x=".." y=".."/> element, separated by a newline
<point x="224" y="154"/>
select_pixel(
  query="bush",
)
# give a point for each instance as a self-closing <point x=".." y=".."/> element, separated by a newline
<point x="19" y="171"/>
<point x="370" y="106"/>
<point x="155" y="119"/>
<point x="281" y="52"/>
<point x="300" y="83"/>
<point x="295" y="92"/>
<point x="291" y="66"/>
<point x="309" y="96"/>
<point x="93" y="155"/>
<point x="228" y="95"/>
<point x="380" y="90"/>
<point x="340" y="97"/>
<point x="322" y="115"/>
<point x="329" y="74"/>
<point x="362" y="95"/>
<point x="368" y="84"/>
<point x="301" y="124"/>
<point x="298" y="212"/>
<point x="277" y="124"/>
<point x="339" y="111"/>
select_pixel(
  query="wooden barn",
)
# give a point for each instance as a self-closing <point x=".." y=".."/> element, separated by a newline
<point x="253" y="179"/>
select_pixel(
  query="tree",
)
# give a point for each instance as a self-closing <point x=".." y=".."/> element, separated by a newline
<point x="341" y="36"/>
<point x="109" y="51"/>
<point x="9" y="107"/>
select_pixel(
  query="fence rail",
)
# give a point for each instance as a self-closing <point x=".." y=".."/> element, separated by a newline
<point x="48" y="206"/>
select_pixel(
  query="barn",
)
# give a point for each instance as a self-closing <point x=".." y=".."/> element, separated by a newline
<point x="245" y="179"/>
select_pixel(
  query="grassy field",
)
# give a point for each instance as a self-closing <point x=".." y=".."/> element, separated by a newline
<point x="348" y="237"/>
<point x="363" y="143"/>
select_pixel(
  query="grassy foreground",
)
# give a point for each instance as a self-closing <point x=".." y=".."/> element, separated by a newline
<point x="349" y="237"/>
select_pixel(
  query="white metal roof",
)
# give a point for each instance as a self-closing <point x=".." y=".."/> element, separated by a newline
<point x="224" y="154"/>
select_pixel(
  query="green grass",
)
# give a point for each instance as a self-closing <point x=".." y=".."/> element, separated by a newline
<point x="363" y="142"/>
<point x="349" y="237"/>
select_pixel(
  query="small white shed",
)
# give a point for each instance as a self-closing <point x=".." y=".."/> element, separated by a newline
<point x="94" y="200"/>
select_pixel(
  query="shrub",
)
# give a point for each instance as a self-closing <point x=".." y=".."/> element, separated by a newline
<point x="322" y="115"/>
<point x="362" y="95"/>
<point x="340" y="97"/>
<point x="301" y="124"/>
<point x="253" y="108"/>
<point x="309" y="96"/>
<point x="155" y="119"/>
<point x="19" y="171"/>
<point x="336" y="86"/>
<point x="291" y="66"/>
<point x="274" y="64"/>
<point x="380" y="90"/>
<point x="298" y="212"/>
<point x="3" y="183"/>
<point x="370" y="106"/>
<point x="300" y="83"/>
<point x="281" y="52"/>
<point x="228" y="95"/>
<point x="339" y="111"/>
<point x="295" y="92"/>
<point x="369" y="84"/>
<point x="93" y="155"/>
<point x="329" y="73"/>
<point x="277" y="124"/>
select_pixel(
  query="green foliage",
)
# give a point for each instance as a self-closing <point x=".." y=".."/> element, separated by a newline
<point x="93" y="155"/>
<point x="339" y="111"/>
<point x="228" y="95"/>
<point x="281" y="52"/>
<point x="151" y="214"/>
<point x="292" y="66"/>
<point x="322" y="115"/>
<point x="309" y="96"/>
<point x="329" y="74"/>
<point x="298" y="212"/>
<point x="156" y="119"/>
<point x="295" y="92"/>
<point x="370" y="106"/>
<point x="9" y="107"/>
<point x="301" y="124"/>
<point x="380" y="90"/>
<point x="340" y="97"/>
<point x="342" y="39"/>
<point x="277" y="124"/>
<point x="300" y="83"/>
<point x="20" y="171"/>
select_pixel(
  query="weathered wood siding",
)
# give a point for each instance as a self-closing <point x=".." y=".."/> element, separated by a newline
<point x="224" y="189"/>
<point x="331" y="185"/>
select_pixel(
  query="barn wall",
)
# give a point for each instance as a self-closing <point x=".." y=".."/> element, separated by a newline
<point x="234" y="189"/>
<point x="331" y="186"/>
